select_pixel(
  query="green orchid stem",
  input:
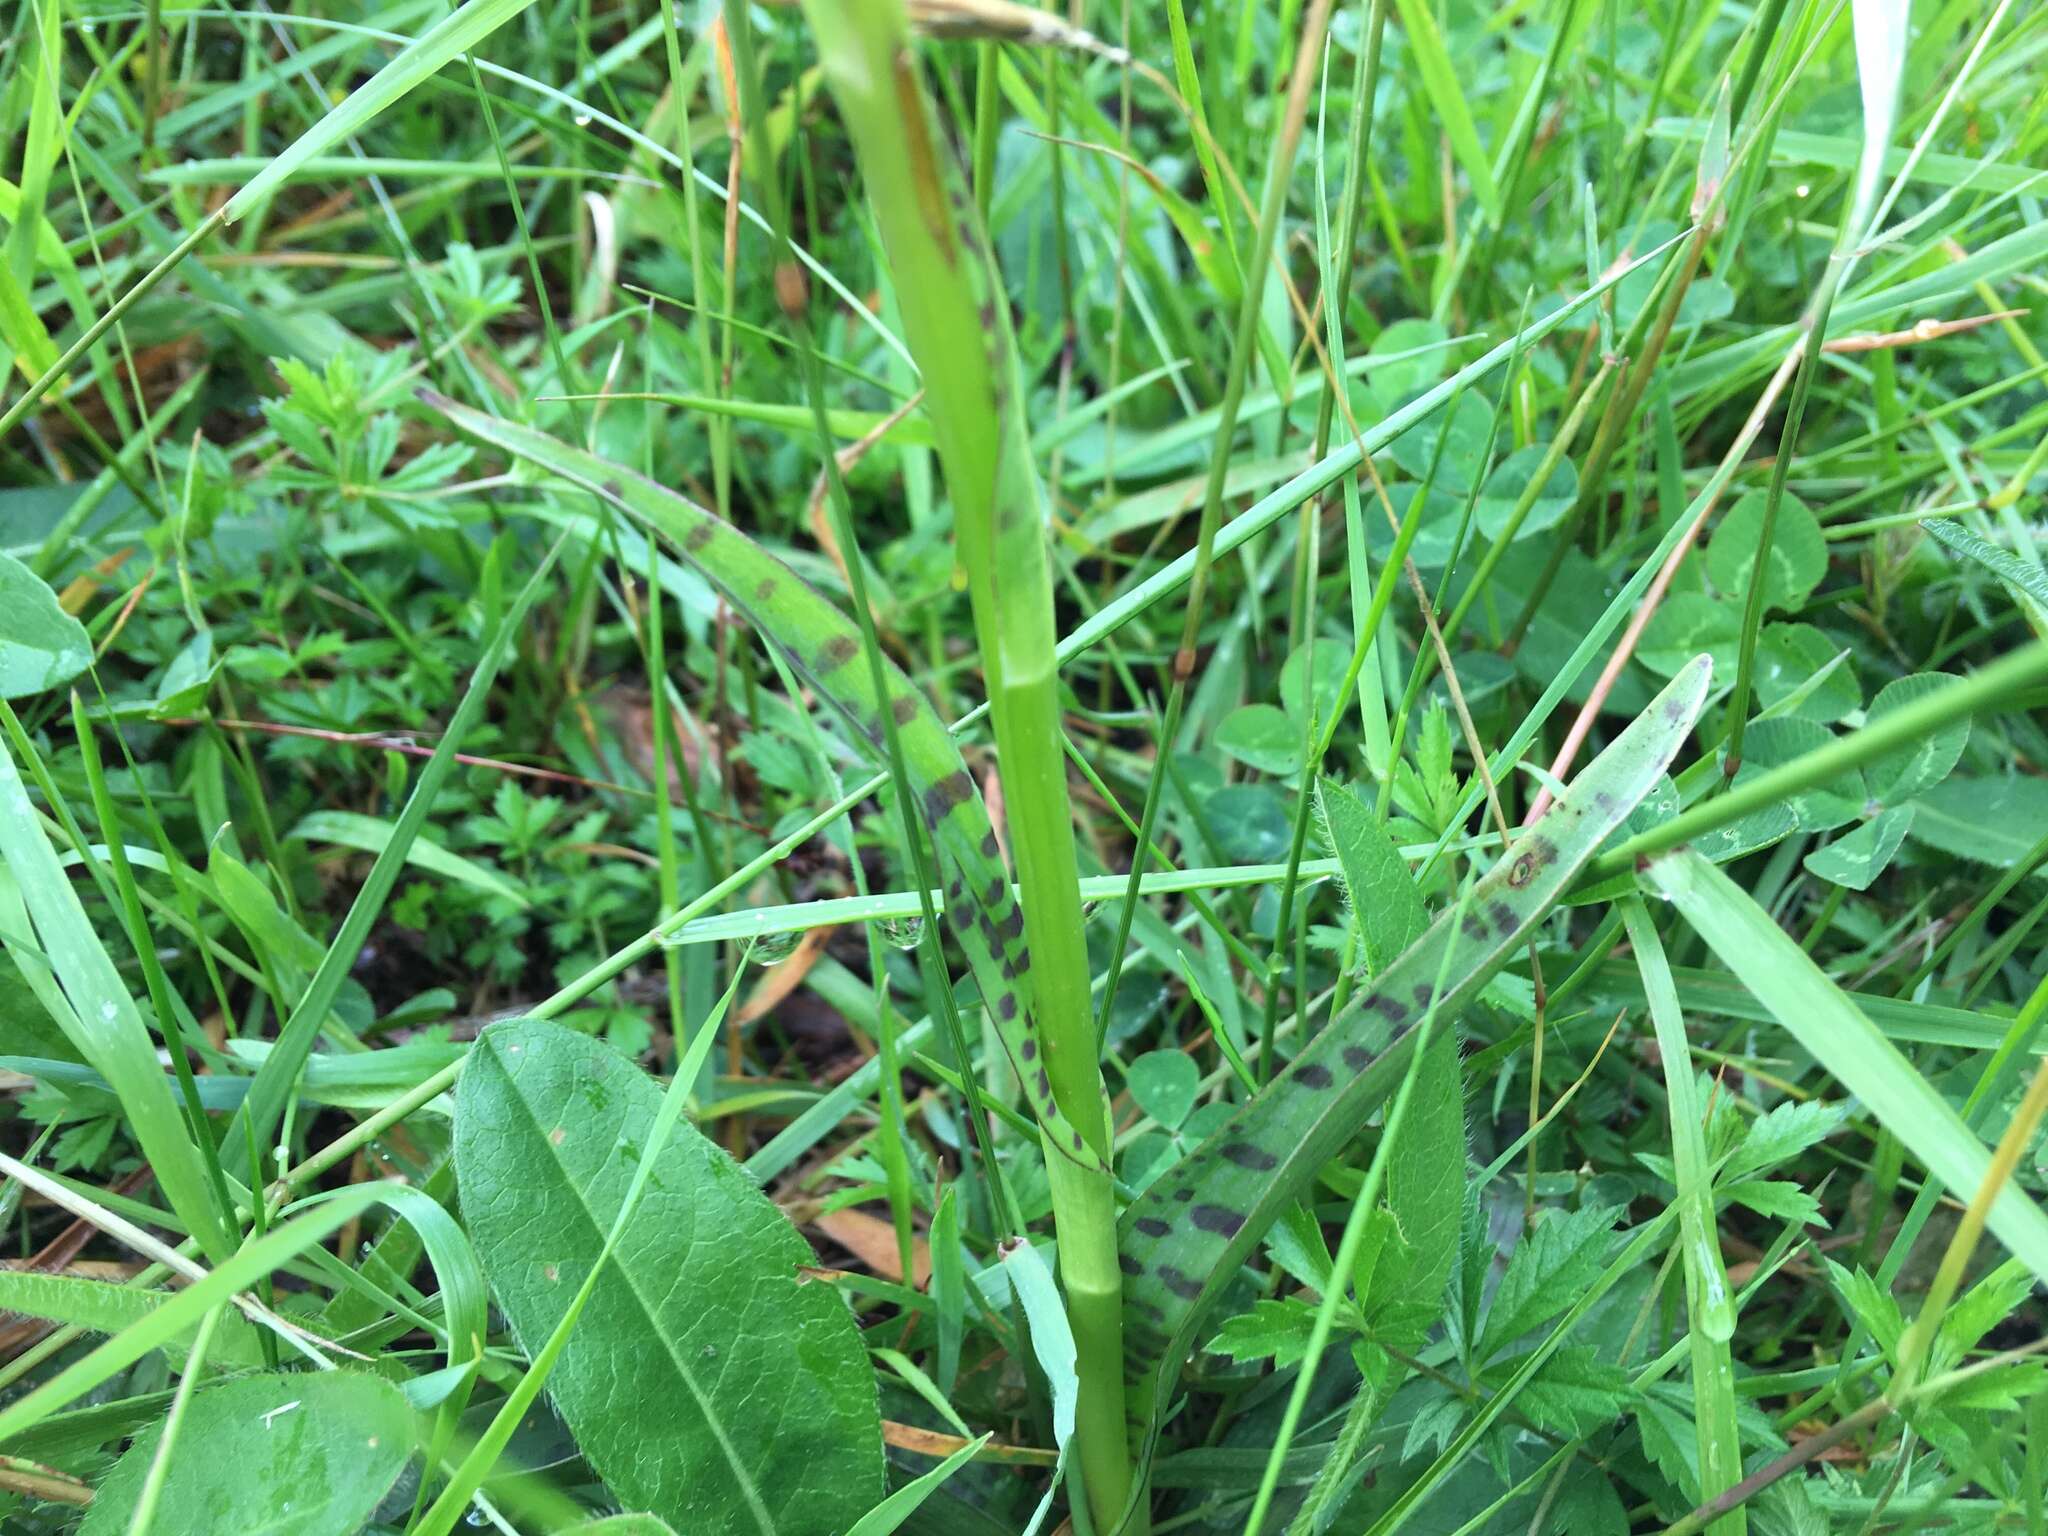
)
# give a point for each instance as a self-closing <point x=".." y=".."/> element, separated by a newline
<point x="957" y="323"/>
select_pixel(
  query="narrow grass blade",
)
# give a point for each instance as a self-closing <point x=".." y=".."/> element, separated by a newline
<point x="274" y="1080"/>
<point x="449" y="38"/>
<point x="1710" y="1307"/>
<point x="94" y="1008"/>
<point x="183" y="1311"/>
<point x="1816" y="1013"/>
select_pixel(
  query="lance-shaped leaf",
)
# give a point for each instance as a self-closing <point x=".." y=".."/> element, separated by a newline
<point x="821" y="644"/>
<point x="1189" y="1234"/>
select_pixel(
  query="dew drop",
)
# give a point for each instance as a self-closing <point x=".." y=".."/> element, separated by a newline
<point x="903" y="932"/>
<point x="773" y="947"/>
<point x="582" y="119"/>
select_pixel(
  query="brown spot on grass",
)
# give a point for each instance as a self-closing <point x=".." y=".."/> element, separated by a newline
<point x="1218" y="1219"/>
<point x="1245" y="1155"/>
<point x="1152" y="1226"/>
<point x="1313" y="1074"/>
<point x="1181" y="1284"/>
<point x="837" y="652"/>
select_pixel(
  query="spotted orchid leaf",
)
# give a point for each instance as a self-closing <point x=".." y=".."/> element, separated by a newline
<point x="822" y="644"/>
<point x="1191" y="1232"/>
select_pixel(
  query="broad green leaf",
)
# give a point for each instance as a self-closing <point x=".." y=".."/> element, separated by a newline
<point x="1789" y="657"/>
<point x="1262" y="737"/>
<point x="1898" y="776"/>
<point x="1798" y="555"/>
<point x="1314" y="674"/>
<point x="1164" y="1083"/>
<point x="41" y="646"/>
<point x="1816" y="1013"/>
<point x="1995" y="821"/>
<point x="373" y="834"/>
<point x="299" y="1455"/>
<point x="1857" y="858"/>
<point x="181" y="1313"/>
<point x="821" y="644"/>
<point x="702" y="1343"/>
<point x="1384" y="901"/>
<point x="1184" y="1240"/>
<point x="621" y="1525"/>
<point x="1685" y="624"/>
<point x="51" y="941"/>
<point x="1509" y="482"/>
<point x="1821" y="807"/>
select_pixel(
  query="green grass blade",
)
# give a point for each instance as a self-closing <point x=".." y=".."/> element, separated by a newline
<point x="1185" y="1239"/>
<point x="821" y="645"/>
<point x="182" y="1313"/>
<point x="1440" y="80"/>
<point x="46" y="931"/>
<point x="274" y="1080"/>
<point x="453" y="35"/>
<point x="1816" y="1013"/>
<point x="1710" y="1307"/>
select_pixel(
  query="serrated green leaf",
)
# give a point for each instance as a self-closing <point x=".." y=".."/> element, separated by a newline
<point x="1871" y="1305"/>
<point x="1384" y="901"/>
<point x="1550" y="1266"/>
<point x="1574" y="1392"/>
<point x="298" y="1455"/>
<point x="1276" y="1330"/>
<point x="1783" y="1132"/>
<point x="702" y="1342"/>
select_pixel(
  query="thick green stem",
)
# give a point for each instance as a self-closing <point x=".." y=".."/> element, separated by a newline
<point x="957" y="324"/>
